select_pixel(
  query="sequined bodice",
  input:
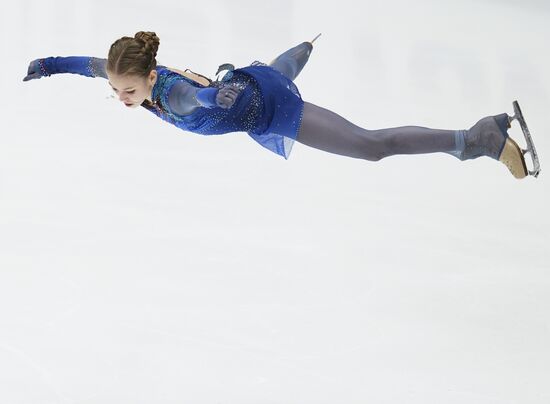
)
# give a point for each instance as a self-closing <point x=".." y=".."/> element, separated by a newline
<point x="242" y="116"/>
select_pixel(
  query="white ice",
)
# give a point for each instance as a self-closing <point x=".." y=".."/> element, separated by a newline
<point x="143" y="264"/>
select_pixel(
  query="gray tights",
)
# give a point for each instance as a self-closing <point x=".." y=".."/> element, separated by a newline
<point x="328" y="131"/>
<point x="325" y="130"/>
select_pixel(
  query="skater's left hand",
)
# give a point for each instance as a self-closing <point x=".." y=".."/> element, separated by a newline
<point x="226" y="96"/>
<point x="33" y="71"/>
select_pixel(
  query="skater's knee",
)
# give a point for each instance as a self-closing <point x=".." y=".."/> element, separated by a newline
<point x="375" y="147"/>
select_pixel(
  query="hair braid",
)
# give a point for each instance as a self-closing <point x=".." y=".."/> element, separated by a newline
<point x="134" y="56"/>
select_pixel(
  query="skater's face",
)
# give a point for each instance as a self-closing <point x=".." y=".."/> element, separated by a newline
<point x="132" y="90"/>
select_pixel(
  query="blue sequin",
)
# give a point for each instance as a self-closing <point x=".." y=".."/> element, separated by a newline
<point x="269" y="107"/>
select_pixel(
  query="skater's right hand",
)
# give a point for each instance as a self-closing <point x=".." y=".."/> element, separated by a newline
<point x="34" y="71"/>
<point x="226" y="96"/>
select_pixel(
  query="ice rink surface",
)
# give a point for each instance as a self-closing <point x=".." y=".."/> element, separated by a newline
<point x="143" y="264"/>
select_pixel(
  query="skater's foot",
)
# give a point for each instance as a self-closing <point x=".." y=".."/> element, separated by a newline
<point x="489" y="137"/>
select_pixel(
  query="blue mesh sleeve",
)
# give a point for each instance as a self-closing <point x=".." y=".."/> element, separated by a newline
<point x="83" y="65"/>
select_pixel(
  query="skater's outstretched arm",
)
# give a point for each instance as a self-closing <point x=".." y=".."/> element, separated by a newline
<point x="84" y="65"/>
<point x="291" y="62"/>
<point x="184" y="97"/>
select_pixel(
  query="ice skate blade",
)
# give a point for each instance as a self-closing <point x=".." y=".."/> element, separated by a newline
<point x="512" y="157"/>
<point x="314" y="39"/>
<point x="528" y="139"/>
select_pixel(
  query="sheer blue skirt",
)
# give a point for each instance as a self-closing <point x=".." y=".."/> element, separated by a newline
<point x="282" y="108"/>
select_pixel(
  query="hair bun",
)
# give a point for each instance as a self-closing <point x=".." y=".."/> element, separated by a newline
<point x="151" y="40"/>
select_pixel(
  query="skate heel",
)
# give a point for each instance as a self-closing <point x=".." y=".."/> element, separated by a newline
<point x="512" y="157"/>
<point x="503" y="123"/>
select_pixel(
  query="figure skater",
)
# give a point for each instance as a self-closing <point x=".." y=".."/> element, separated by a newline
<point x="262" y="100"/>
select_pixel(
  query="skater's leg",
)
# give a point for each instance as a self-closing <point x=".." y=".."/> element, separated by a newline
<point x="325" y="130"/>
<point x="291" y="62"/>
<point x="328" y="131"/>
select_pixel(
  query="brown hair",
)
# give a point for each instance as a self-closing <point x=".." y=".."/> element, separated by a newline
<point x="134" y="56"/>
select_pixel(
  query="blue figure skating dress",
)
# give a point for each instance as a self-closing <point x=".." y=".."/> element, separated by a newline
<point x="269" y="106"/>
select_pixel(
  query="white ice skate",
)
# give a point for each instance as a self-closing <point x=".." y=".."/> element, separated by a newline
<point x="489" y="137"/>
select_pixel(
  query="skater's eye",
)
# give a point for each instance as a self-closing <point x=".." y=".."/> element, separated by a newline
<point x="124" y="90"/>
<point x="131" y="92"/>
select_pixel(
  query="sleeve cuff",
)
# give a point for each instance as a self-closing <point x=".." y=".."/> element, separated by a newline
<point x="207" y="97"/>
